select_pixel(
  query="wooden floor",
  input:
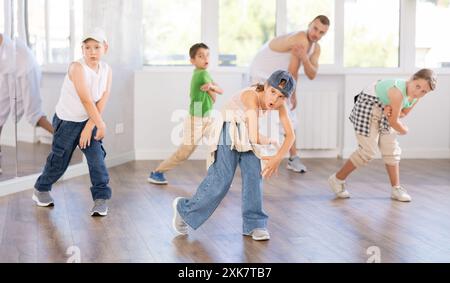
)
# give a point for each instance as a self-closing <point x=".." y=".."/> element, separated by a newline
<point x="31" y="157"/>
<point x="306" y="223"/>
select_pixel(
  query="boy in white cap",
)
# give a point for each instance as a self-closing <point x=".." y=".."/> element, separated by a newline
<point x="78" y="122"/>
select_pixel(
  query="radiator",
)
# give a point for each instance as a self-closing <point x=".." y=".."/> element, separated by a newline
<point x="317" y="120"/>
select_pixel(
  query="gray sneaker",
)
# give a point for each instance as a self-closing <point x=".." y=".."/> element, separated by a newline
<point x="296" y="165"/>
<point x="42" y="198"/>
<point x="100" y="208"/>
<point x="178" y="223"/>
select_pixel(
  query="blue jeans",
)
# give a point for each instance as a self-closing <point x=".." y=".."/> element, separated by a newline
<point x="196" y="210"/>
<point x="65" y="140"/>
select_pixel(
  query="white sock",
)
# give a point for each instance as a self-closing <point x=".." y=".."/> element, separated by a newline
<point x="340" y="182"/>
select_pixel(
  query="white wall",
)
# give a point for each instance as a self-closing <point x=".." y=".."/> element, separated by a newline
<point x="160" y="91"/>
<point x="158" y="96"/>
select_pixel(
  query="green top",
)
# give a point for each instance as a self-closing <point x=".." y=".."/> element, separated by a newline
<point x="201" y="102"/>
<point x="383" y="86"/>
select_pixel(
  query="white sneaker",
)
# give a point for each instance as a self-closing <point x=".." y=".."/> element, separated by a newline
<point x="259" y="234"/>
<point x="338" y="187"/>
<point x="178" y="223"/>
<point x="400" y="194"/>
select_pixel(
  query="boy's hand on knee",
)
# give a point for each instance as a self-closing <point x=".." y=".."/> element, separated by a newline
<point x="101" y="131"/>
<point x="85" y="138"/>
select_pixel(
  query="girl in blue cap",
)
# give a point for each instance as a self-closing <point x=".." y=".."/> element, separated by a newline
<point x="236" y="140"/>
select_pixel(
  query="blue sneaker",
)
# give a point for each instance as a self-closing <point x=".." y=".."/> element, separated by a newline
<point x="157" y="178"/>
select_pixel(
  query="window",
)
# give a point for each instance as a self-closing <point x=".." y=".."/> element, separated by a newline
<point x="53" y="47"/>
<point x="36" y="29"/>
<point x="244" y="26"/>
<point x="432" y="45"/>
<point x="171" y="27"/>
<point x="371" y="33"/>
<point x="2" y="16"/>
<point x="301" y="13"/>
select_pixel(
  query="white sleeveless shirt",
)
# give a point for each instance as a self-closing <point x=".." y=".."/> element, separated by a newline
<point x="69" y="107"/>
<point x="268" y="61"/>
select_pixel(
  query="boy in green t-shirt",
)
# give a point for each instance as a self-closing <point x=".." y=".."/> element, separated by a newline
<point x="203" y="95"/>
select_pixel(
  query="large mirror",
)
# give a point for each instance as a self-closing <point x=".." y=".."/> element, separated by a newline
<point x="44" y="40"/>
<point x="42" y="47"/>
<point x="8" y="150"/>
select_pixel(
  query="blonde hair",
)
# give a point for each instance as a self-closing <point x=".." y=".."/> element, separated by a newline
<point x="428" y="75"/>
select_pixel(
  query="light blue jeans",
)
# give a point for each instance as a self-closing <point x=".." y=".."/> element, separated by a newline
<point x="196" y="210"/>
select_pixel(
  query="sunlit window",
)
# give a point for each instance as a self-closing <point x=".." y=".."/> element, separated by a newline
<point x="244" y="26"/>
<point x="432" y="42"/>
<point x="171" y="27"/>
<point x="53" y="47"/>
<point x="301" y="13"/>
<point x="2" y="16"/>
<point x="371" y="33"/>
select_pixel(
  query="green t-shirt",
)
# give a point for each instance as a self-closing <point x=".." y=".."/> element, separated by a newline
<point x="383" y="86"/>
<point x="201" y="102"/>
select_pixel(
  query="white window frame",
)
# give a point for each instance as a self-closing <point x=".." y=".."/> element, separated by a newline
<point x="407" y="48"/>
<point x="7" y="6"/>
<point x="60" y="67"/>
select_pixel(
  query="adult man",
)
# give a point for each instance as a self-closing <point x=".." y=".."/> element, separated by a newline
<point x="290" y="52"/>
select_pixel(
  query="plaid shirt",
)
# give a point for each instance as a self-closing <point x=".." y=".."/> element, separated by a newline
<point x="362" y="114"/>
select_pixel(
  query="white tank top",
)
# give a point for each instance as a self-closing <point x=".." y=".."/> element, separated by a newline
<point x="268" y="61"/>
<point x="69" y="107"/>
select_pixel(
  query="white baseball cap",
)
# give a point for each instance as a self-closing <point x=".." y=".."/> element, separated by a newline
<point x="96" y="34"/>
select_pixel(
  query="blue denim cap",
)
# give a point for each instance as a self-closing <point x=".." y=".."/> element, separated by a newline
<point x="277" y="77"/>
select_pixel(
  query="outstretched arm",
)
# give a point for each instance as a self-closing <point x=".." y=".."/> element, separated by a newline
<point x="274" y="161"/>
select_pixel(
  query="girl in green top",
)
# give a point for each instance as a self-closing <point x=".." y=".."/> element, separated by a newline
<point x="376" y="119"/>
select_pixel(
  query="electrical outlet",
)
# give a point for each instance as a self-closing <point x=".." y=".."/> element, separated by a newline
<point x="119" y="128"/>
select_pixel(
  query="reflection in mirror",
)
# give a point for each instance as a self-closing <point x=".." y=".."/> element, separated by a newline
<point x="38" y="94"/>
<point x="8" y="161"/>
<point x="31" y="155"/>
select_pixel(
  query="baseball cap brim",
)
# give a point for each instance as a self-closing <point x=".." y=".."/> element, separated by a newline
<point x="97" y="35"/>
